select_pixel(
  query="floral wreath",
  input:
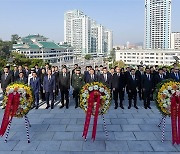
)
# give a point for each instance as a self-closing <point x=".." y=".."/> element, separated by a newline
<point x="26" y="99"/>
<point x="163" y="93"/>
<point x="105" y="99"/>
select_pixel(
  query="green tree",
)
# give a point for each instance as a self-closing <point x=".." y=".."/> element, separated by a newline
<point x="88" y="57"/>
<point x="14" y="38"/>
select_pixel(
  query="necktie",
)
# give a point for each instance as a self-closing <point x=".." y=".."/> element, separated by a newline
<point x="105" y="77"/>
<point x="177" y="76"/>
<point x="6" y="76"/>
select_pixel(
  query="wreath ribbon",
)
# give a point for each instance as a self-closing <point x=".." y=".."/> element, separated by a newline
<point x="94" y="96"/>
<point x="10" y="111"/>
<point x="175" y="118"/>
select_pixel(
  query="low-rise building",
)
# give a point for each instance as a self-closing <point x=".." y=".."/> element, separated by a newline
<point x="147" y="57"/>
<point x="37" y="46"/>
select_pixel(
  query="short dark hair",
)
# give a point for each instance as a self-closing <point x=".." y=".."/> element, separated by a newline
<point x="160" y="69"/>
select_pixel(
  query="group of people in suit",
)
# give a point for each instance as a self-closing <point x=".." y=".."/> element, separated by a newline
<point x="47" y="82"/>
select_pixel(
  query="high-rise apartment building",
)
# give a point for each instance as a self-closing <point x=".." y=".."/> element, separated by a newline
<point x="175" y="40"/>
<point x="157" y="24"/>
<point x="85" y="35"/>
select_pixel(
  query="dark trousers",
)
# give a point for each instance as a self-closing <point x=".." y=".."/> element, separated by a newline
<point x="132" y="96"/>
<point x="76" y="96"/>
<point x="36" y="99"/>
<point x="65" y="93"/>
<point x="147" y="97"/>
<point x="49" y="97"/>
<point x="42" y="94"/>
<point x="140" y="92"/>
<point x="56" y="91"/>
<point x="118" y="93"/>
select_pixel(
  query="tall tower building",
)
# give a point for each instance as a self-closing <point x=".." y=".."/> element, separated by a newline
<point x="68" y="16"/>
<point x="85" y="35"/>
<point x="157" y="24"/>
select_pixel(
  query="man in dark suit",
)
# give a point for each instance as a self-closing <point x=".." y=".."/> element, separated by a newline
<point x="38" y="70"/>
<point x="22" y="78"/>
<point x="175" y="75"/>
<point x="35" y="84"/>
<point x="105" y="78"/>
<point x="132" y="84"/>
<point x="148" y="86"/>
<point x="166" y="72"/>
<point x="49" y="87"/>
<point x="64" y="84"/>
<point x="26" y="71"/>
<point x="139" y="74"/>
<point x="6" y="79"/>
<point x="118" y="86"/>
<point x="159" y="77"/>
<point x="15" y="73"/>
<point x="42" y="75"/>
<point x="56" y="75"/>
<point x="92" y="77"/>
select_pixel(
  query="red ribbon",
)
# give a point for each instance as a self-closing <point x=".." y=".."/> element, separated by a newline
<point x="175" y="119"/>
<point x="94" y="96"/>
<point x="10" y="111"/>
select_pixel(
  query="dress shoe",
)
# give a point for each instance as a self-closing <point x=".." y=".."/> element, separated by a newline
<point x="149" y="107"/>
<point x="61" y="106"/>
<point x="122" y="107"/>
<point x="145" y="107"/>
<point x="129" y="107"/>
<point x="47" y="107"/>
<point x="37" y="107"/>
<point x="136" y="107"/>
<point x="115" y="107"/>
<point x="67" y="107"/>
<point x="52" y="107"/>
<point x="76" y="107"/>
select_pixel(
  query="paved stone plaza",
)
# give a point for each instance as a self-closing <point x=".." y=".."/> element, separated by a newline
<point x="59" y="131"/>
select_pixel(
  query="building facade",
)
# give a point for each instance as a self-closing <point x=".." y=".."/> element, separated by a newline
<point x="157" y="24"/>
<point x="85" y="35"/>
<point x="175" y="40"/>
<point x="37" y="46"/>
<point x="147" y="57"/>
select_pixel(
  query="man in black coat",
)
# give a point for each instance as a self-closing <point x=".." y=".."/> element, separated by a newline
<point x="175" y="75"/>
<point x="118" y="86"/>
<point x="148" y="86"/>
<point x="159" y="77"/>
<point x="139" y="74"/>
<point x="6" y="79"/>
<point x="91" y="77"/>
<point x="42" y="75"/>
<point x="105" y="78"/>
<point x="64" y="84"/>
<point x="15" y="73"/>
<point x="132" y="86"/>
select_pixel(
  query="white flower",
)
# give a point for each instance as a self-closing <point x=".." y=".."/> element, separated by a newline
<point x="84" y="100"/>
<point x="90" y="88"/>
<point x="173" y="91"/>
<point x="107" y="96"/>
<point x="96" y="87"/>
<point x="165" y="106"/>
<point x="101" y="90"/>
<point x="86" y="92"/>
<point x="105" y="91"/>
<point x="169" y="87"/>
<point x="84" y="95"/>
